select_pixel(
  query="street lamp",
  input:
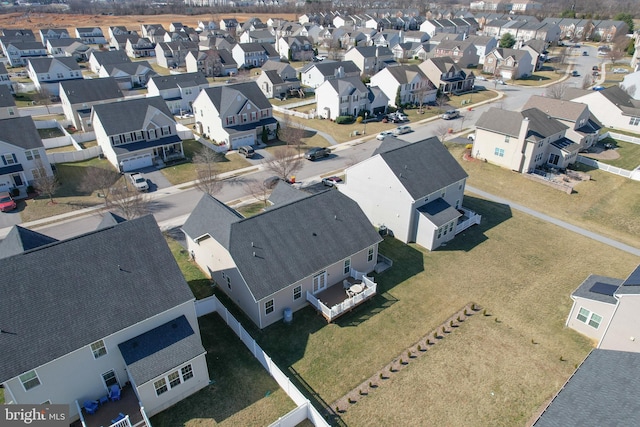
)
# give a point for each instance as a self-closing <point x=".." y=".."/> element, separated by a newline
<point x="366" y="113"/>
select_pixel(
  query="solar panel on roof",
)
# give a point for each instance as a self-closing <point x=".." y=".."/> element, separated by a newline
<point x="603" y="288"/>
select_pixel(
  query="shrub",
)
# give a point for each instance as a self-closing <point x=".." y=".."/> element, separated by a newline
<point x="359" y="119"/>
<point x="468" y="146"/>
<point x="31" y="189"/>
<point x="15" y="192"/>
<point x="342" y="120"/>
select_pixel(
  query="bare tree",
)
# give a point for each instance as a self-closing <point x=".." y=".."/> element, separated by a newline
<point x="284" y="162"/>
<point x="43" y="96"/>
<point x="259" y="190"/>
<point x="614" y="55"/>
<point x="128" y="201"/>
<point x="100" y="180"/>
<point x="587" y="81"/>
<point x="291" y="132"/>
<point x="442" y="130"/>
<point x="47" y="184"/>
<point x="556" y="91"/>
<point x="334" y="51"/>
<point x="421" y="93"/>
<point x="207" y="170"/>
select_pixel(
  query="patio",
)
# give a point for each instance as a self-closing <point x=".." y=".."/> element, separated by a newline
<point x="127" y="405"/>
<point x="343" y="296"/>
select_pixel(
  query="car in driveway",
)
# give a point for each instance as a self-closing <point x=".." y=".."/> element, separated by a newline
<point x="247" y="151"/>
<point x="331" y="181"/>
<point x="620" y="71"/>
<point x="6" y="202"/>
<point x="451" y="114"/>
<point x="382" y="135"/>
<point x="400" y="130"/>
<point x="315" y="153"/>
<point x="139" y="181"/>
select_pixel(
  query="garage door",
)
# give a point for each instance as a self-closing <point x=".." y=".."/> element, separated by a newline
<point x="242" y="140"/>
<point x="137" y="162"/>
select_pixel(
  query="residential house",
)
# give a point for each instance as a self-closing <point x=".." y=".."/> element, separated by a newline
<point x="8" y="107"/>
<point x="257" y="36"/>
<point x="136" y="133"/>
<point x="483" y="46"/>
<point x="494" y="28"/>
<point x="252" y="24"/>
<point x="607" y="30"/>
<point x="119" y="41"/>
<point x="343" y="21"/>
<point x="91" y="35"/>
<point x="24" y="33"/>
<point x="207" y="25"/>
<point x="315" y="73"/>
<point x="613" y="107"/>
<point x="295" y="48"/>
<point x="19" y="52"/>
<point x="387" y="38"/>
<point x="212" y="63"/>
<point x="509" y="64"/>
<point x="154" y="32"/>
<point x="56" y="47"/>
<point x="140" y="47"/>
<point x="230" y="25"/>
<point x="129" y="75"/>
<point x="635" y="60"/>
<point x="370" y="59"/>
<point x="173" y="54"/>
<point x="493" y="6"/>
<point x="237" y="114"/>
<point x="406" y="84"/>
<point x="526" y="6"/>
<point x="446" y="75"/>
<point x="583" y="127"/>
<point x="523" y="140"/>
<point x="47" y="73"/>
<point x="436" y="26"/>
<point x="352" y="38"/>
<point x="536" y="49"/>
<point x="278" y="79"/>
<point x="630" y="84"/>
<point x="413" y="190"/>
<point x="22" y="156"/>
<point x="249" y="55"/>
<point x="119" y="30"/>
<point x="138" y="328"/>
<point x="407" y="50"/>
<point x="463" y="53"/>
<point x="348" y="97"/>
<point x="178" y="90"/>
<point x="79" y="96"/>
<point x="100" y="58"/>
<point x="4" y="78"/>
<point x="286" y="257"/>
<point x="53" y="33"/>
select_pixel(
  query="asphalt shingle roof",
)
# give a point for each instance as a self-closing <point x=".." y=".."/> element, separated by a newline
<point x="287" y="243"/>
<point x="43" y="65"/>
<point x="21" y="132"/>
<point x="604" y="391"/>
<point x="631" y="284"/>
<point x="130" y="115"/>
<point x="557" y="108"/>
<point x="93" y="286"/>
<point x="404" y="74"/>
<point x="439" y="212"/>
<point x="21" y="239"/>
<point x="584" y="290"/>
<point x="183" y="80"/>
<point x="422" y="167"/>
<point x="161" y="349"/>
<point x="91" y="90"/>
<point x="509" y="123"/>
<point x="223" y="96"/>
<point x="6" y="98"/>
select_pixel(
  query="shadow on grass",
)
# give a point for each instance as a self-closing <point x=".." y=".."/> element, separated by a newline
<point x="492" y="213"/>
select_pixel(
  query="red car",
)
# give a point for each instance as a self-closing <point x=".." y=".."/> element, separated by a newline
<point x="6" y="202"/>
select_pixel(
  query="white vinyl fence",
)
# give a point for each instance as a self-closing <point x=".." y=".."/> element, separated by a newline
<point x="619" y="136"/>
<point x="304" y="410"/>
<point x="634" y="174"/>
<point x="292" y="113"/>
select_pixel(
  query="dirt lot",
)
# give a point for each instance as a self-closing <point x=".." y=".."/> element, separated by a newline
<point x="37" y="21"/>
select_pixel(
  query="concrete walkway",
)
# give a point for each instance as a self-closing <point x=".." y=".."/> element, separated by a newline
<point x="555" y="221"/>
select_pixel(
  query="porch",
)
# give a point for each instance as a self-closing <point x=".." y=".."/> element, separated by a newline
<point x="344" y="296"/>
<point x="467" y="219"/>
<point x="108" y="411"/>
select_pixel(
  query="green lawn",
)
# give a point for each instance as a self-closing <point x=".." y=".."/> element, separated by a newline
<point x="293" y="100"/>
<point x="199" y="283"/>
<point x="50" y="133"/>
<point x="629" y="154"/>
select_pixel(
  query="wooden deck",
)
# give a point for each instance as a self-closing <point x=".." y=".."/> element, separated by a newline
<point x="128" y="405"/>
<point x="334" y="301"/>
<point x="335" y="294"/>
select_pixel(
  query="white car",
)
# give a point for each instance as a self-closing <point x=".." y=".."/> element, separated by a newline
<point x="383" y="134"/>
<point x="483" y="78"/>
<point x="139" y="181"/>
<point x="620" y="71"/>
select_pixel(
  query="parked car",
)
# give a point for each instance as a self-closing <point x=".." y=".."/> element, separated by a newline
<point x="331" y="181"/>
<point x="483" y="78"/>
<point x="595" y="68"/>
<point x="247" y="151"/>
<point x="598" y="87"/>
<point x="317" y="153"/>
<point x="402" y="130"/>
<point x="500" y="82"/>
<point x="585" y="53"/>
<point x="6" y="202"/>
<point x="574" y="73"/>
<point x="451" y="114"/>
<point x="471" y="137"/>
<point x="383" y="134"/>
<point x="620" y="71"/>
<point x="139" y="181"/>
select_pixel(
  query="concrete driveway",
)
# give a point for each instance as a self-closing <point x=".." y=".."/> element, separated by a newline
<point x="155" y="178"/>
<point x="8" y="219"/>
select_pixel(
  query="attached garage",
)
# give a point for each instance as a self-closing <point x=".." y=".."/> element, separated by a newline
<point x="136" y="162"/>
<point x="239" y="141"/>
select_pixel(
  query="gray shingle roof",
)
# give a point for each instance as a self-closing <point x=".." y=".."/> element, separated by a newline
<point x="584" y="290"/>
<point x="403" y="74"/>
<point x="129" y="115"/>
<point x="284" y="193"/>
<point x="288" y="243"/>
<point x="328" y="68"/>
<point x="223" y="96"/>
<point x="557" y="108"/>
<point x="604" y="391"/>
<point x="21" y="132"/>
<point x="347" y="85"/>
<point x="622" y="100"/>
<point x="423" y="167"/>
<point x="439" y="212"/>
<point x="110" y="219"/>
<point x="161" y="349"/>
<point x="21" y="239"/>
<point x="631" y="284"/>
<point x="509" y="123"/>
<point x="212" y="217"/>
<point x="541" y="125"/>
<point x="137" y="68"/>
<point x="95" y="285"/>
<point x="6" y="98"/>
<point x="43" y="65"/>
<point x="91" y="90"/>
<point x="183" y="80"/>
<point x="110" y="57"/>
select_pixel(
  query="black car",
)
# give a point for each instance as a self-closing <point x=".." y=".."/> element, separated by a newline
<point x="317" y="153"/>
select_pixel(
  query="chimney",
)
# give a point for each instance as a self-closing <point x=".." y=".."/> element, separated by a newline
<point x="339" y="73"/>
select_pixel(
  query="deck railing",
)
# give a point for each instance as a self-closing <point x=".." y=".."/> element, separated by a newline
<point x="472" y="219"/>
<point x="330" y="314"/>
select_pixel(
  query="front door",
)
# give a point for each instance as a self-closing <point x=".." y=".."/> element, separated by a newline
<point x="319" y="282"/>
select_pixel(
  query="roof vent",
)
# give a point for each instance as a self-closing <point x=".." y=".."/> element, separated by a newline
<point x="335" y="217"/>
<point x="254" y="253"/>
<point x="314" y="234"/>
<point x="253" y="245"/>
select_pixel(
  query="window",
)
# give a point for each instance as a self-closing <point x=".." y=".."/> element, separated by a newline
<point x="499" y="152"/>
<point x="9" y="159"/>
<point x="634" y="121"/>
<point x="98" y="349"/>
<point x="595" y="321"/>
<point x="32" y="154"/>
<point x="38" y="173"/>
<point x="506" y="139"/>
<point x="187" y="372"/>
<point x="553" y="159"/>
<point x="160" y="386"/>
<point x="370" y="255"/>
<point x="229" y="282"/>
<point x="244" y="117"/>
<point x="268" y="307"/>
<point x="297" y="292"/>
<point x="109" y="378"/>
<point x="347" y="266"/>
<point x="11" y="112"/>
<point x="30" y="380"/>
<point x="174" y="379"/>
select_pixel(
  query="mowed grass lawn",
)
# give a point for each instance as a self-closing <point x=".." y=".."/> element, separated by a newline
<point x="629" y="154"/>
<point x="522" y="270"/>
<point x="608" y="204"/>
